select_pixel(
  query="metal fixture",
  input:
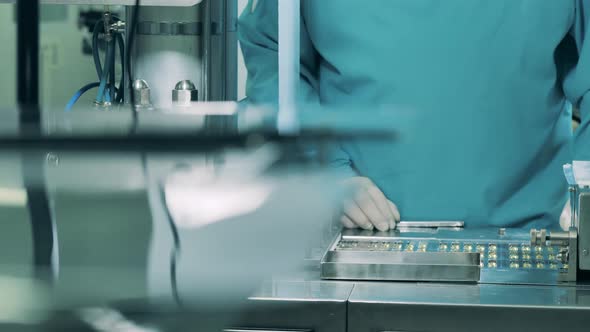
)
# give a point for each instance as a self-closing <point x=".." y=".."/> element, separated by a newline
<point x="185" y="93"/>
<point x="568" y="249"/>
<point x="142" y="93"/>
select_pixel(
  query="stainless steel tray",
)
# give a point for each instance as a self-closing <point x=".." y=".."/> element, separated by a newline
<point x="442" y="254"/>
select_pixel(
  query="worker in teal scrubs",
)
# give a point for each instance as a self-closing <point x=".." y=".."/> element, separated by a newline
<point x="482" y="94"/>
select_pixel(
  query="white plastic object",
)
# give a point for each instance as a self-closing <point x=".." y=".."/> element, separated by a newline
<point x="168" y="3"/>
<point x="568" y="171"/>
<point x="582" y="172"/>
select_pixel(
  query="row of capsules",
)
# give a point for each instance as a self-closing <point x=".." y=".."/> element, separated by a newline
<point x="519" y="255"/>
<point x="526" y="256"/>
<point x="407" y="245"/>
<point x="489" y="252"/>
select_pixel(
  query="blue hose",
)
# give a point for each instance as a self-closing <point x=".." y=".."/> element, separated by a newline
<point x="79" y="94"/>
<point x="105" y="75"/>
<point x="108" y="91"/>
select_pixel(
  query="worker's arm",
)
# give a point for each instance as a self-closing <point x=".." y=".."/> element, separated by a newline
<point x="577" y="81"/>
<point x="577" y="89"/>
<point x="258" y="33"/>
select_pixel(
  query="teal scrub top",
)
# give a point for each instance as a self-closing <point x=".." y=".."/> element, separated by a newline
<point x="481" y="92"/>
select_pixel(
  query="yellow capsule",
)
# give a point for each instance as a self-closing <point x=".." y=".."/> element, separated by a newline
<point x="468" y="247"/>
<point x="410" y="247"/>
<point x="513" y="249"/>
<point x="526" y="248"/>
<point x="539" y="257"/>
<point x="551" y="257"/>
<point x="553" y="266"/>
<point x="565" y="266"/>
<point x="397" y="246"/>
<point x="481" y="248"/>
<point x="493" y="255"/>
<point x="538" y="249"/>
<point x="492" y="264"/>
<point x="385" y="245"/>
<point x="527" y="265"/>
<point x="422" y="245"/>
<point x="550" y="250"/>
<point x="514" y="265"/>
<point x="514" y="257"/>
<point x="526" y="257"/>
<point x="443" y="247"/>
<point x="492" y="247"/>
<point x="540" y="265"/>
<point x="455" y="247"/>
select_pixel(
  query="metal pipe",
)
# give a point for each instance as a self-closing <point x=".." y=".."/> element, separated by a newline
<point x="206" y="49"/>
<point x="231" y="51"/>
<point x="27" y="12"/>
<point x="45" y="257"/>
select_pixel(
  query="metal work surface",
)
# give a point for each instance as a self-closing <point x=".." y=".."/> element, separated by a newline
<point x="301" y="291"/>
<point x="297" y="305"/>
<point x="503" y="256"/>
<point x="453" y="307"/>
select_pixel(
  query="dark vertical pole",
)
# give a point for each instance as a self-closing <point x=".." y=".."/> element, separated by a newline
<point x="28" y="63"/>
<point x="42" y="227"/>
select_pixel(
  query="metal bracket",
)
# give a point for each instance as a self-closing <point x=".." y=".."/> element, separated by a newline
<point x="569" y="252"/>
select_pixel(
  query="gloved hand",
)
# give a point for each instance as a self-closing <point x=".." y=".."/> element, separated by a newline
<point x="566" y="217"/>
<point x="369" y="208"/>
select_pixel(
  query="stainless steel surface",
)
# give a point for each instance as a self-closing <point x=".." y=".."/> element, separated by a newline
<point x="164" y="59"/>
<point x="505" y="258"/>
<point x="584" y="229"/>
<point x="559" y="238"/>
<point x="436" y="307"/>
<point x="430" y="224"/>
<point x="304" y="290"/>
<point x="297" y="305"/>
<point x="169" y="28"/>
<point x="184" y="93"/>
<point x="401" y="266"/>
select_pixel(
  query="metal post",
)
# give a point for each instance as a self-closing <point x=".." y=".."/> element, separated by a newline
<point x="43" y="229"/>
<point x="28" y="63"/>
<point x="231" y="50"/>
<point x="206" y="49"/>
